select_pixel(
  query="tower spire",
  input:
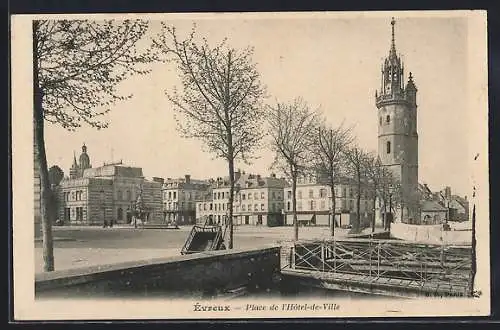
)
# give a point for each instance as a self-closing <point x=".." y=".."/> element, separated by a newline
<point x="393" y="41"/>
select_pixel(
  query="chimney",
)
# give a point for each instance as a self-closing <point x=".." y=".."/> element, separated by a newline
<point x="447" y="192"/>
<point x="188" y="178"/>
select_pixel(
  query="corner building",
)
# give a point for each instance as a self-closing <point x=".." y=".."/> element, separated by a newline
<point x="397" y="130"/>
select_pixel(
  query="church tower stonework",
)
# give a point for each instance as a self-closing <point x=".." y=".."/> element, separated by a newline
<point x="397" y="131"/>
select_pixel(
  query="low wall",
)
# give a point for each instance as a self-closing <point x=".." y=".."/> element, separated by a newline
<point x="199" y="275"/>
<point x="429" y="234"/>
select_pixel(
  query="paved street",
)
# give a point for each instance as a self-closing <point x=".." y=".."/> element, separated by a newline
<point x="91" y="246"/>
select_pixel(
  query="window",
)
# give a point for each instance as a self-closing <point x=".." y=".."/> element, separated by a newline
<point x="322" y="193"/>
<point x="211" y="206"/>
<point x="299" y="206"/>
<point x="175" y="193"/>
<point x="344" y="194"/>
<point x="388" y="119"/>
<point x="199" y="207"/>
<point x="299" y="194"/>
<point x="322" y="205"/>
<point x="128" y="195"/>
<point x="223" y="207"/>
<point x="288" y="206"/>
<point x="312" y="205"/>
<point x="388" y="147"/>
<point x="249" y="195"/>
<point x="119" y="214"/>
<point x="243" y="196"/>
<point x="79" y="214"/>
<point x="274" y="194"/>
<point x="380" y="121"/>
<point x="311" y="193"/>
<point x="215" y="207"/>
<point x="169" y="205"/>
<point x="255" y="195"/>
<point x="351" y="205"/>
<point x="215" y="195"/>
<point x="289" y="194"/>
<point x="72" y="195"/>
<point x="120" y="195"/>
<point x="262" y="195"/>
<point x="169" y="195"/>
<point x="243" y="207"/>
<point x="218" y="195"/>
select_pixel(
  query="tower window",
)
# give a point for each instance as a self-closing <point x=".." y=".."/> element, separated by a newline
<point x="388" y="119"/>
<point x="388" y="147"/>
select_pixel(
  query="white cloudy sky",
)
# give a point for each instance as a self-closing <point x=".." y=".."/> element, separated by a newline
<point x="331" y="62"/>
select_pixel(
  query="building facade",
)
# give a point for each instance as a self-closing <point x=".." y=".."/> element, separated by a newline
<point x="179" y="198"/>
<point x="314" y="202"/>
<point x="258" y="200"/>
<point x="106" y="194"/>
<point x="397" y="129"/>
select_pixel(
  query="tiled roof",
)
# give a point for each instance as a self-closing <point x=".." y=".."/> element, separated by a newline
<point x="432" y="206"/>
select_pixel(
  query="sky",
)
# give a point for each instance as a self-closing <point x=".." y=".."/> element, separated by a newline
<point x="331" y="62"/>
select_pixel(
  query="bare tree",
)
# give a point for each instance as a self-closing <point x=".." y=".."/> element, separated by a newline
<point x="77" y="65"/>
<point x="374" y="173"/>
<point x="56" y="174"/>
<point x="329" y="144"/>
<point x="220" y="103"/>
<point x="291" y="127"/>
<point x="384" y="191"/>
<point x="356" y="160"/>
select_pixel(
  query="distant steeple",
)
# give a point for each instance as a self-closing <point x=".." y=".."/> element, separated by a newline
<point x="73" y="171"/>
<point x="393" y="42"/>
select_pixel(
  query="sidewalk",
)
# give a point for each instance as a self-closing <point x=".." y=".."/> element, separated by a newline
<point x="69" y="258"/>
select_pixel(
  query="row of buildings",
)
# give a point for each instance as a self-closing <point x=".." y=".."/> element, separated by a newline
<point x="92" y="196"/>
<point x="109" y="193"/>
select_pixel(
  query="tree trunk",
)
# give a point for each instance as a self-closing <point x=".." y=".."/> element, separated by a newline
<point x="473" y="251"/>
<point x="46" y="209"/>
<point x="294" y="206"/>
<point x="384" y="217"/>
<point x="358" y="205"/>
<point x="230" y="206"/>
<point x="374" y="213"/>
<point x="332" y="191"/>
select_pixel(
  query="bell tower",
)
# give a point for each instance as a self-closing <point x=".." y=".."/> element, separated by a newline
<point x="397" y="130"/>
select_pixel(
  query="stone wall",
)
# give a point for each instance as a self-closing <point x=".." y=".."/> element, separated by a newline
<point x="430" y="234"/>
<point x="196" y="275"/>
